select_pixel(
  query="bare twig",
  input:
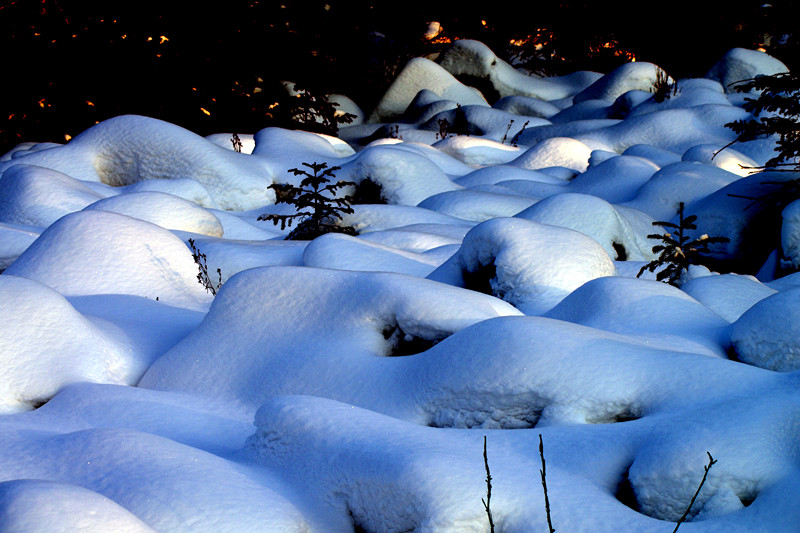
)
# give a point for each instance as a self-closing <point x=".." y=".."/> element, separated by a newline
<point x="711" y="462"/>
<point x="724" y="147"/>
<point x="487" y="502"/>
<point x="543" y="471"/>
<point x="202" y="276"/>
<point x="516" y="137"/>
<point x="507" y="129"/>
<point x="237" y="143"/>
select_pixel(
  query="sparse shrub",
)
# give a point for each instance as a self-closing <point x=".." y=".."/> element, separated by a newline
<point x="313" y="111"/>
<point x="318" y="209"/>
<point x="460" y="124"/>
<point x="368" y="192"/>
<point x="662" y="89"/>
<point x="237" y="143"/>
<point x="202" y="276"/>
<point x="444" y="128"/>
<point x="677" y="251"/>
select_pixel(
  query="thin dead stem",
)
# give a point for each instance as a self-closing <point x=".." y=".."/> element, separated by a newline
<point x="711" y="462"/>
<point x="543" y="471"/>
<point x="487" y="501"/>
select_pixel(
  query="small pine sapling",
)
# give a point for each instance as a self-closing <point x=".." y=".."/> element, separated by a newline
<point x="677" y="251"/>
<point x="202" y="276"/>
<point x="319" y="209"/>
<point x="778" y="113"/>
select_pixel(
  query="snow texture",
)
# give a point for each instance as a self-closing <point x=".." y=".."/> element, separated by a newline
<point x="347" y="383"/>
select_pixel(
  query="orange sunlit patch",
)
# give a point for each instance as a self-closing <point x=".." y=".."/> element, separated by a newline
<point x="89" y="103"/>
<point x="206" y="111"/>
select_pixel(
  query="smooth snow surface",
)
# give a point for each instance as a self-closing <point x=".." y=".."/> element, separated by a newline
<point x="492" y="291"/>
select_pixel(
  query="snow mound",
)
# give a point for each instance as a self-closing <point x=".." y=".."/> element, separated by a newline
<point x="616" y="180"/>
<point x="675" y="130"/>
<point x="478" y="204"/>
<point x="342" y="252"/>
<point x="728" y="159"/>
<point x="67" y="347"/>
<point x="790" y="234"/>
<point x="628" y="77"/>
<point x="13" y="241"/>
<point x="162" y="209"/>
<point x="31" y="505"/>
<point x="404" y="177"/>
<point x="728" y="295"/>
<point x="732" y="212"/>
<point x="685" y="182"/>
<point x="663" y="315"/>
<point x="739" y="64"/>
<point x="659" y="156"/>
<point x="767" y="334"/>
<point x="391" y="475"/>
<point x="531" y="265"/>
<point x="477" y="151"/>
<point x="418" y="74"/>
<point x="367" y="218"/>
<point x="466" y="57"/>
<point x="750" y="441"/>
<point x="555" y="152"/>
<point x="127" y="149"/>
<point x="685" y="93"/>
<point x="98" y="252"/>
<point x="526" y="106"/>
<point x="36" y="196"/>
<point x="185" y="188"/>
<point x="171" y="479"/>
<point x="286" y="149"/>
<point x="300" y="330"/>
<point x="595" y="218"/>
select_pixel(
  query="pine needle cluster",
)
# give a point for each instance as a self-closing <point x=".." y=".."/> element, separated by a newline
<point x="776" y="112"/>
<point x="677" y="250"/>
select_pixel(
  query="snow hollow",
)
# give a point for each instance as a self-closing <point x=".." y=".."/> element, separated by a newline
<point x="491" y="290"/>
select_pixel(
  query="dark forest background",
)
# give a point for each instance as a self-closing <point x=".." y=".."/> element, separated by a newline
<point x="69" y="64"/>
